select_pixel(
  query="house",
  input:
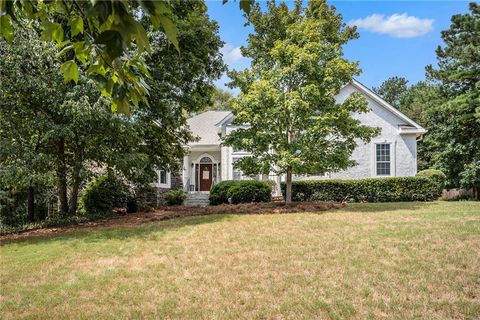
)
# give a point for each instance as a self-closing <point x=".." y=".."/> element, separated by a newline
<point x="392" y="153"/>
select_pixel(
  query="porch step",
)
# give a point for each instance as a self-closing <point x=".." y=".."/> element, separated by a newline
<point x="197" y="199"/>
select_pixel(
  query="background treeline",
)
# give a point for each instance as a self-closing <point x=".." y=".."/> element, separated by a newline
<point x="447" y="104"/>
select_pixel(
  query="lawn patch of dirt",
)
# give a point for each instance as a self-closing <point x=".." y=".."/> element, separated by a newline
<point x="166" y="213"/>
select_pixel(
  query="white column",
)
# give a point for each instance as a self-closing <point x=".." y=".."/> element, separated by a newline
<point x="186" y="172"/>
<point x="225" y="159"/>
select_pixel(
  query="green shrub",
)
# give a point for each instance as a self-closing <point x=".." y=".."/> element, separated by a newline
<point x="174" y="197"/>
<point x="246" y="191"/>
<point x="241" y="191"/>
<point x="103" y="194"/>
<point x="436" y="175"/>
<point x="132" y="204"/>
<point x="366" y="190"/>
<point x="219" y="192"/>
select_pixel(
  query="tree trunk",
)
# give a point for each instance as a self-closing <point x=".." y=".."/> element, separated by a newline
<point x="31" y="203"/>
<point x="75" y="188"/>
<point x="62" y="178"/>
<point x="288" y="193"/>
<point x="77" y="167"/>
<point x="476" y="192"/>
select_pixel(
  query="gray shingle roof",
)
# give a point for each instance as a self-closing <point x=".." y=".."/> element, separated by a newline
<point x="203" y="125"/>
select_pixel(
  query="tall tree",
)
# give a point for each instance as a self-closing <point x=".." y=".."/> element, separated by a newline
<point x="29" y="80"/>
<point x="418" y="99"/>
<point x="454" y="125"/>
<point x="221" y="100"/>
<point x="69" y="126"/>
<point x="180" y="85"/>
<point x="288" y="94"/>
<point x="48" y="126"/>
<point x="392" y="90"/>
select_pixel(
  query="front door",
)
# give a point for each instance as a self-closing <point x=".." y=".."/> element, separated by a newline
<point x="205" y="176"/>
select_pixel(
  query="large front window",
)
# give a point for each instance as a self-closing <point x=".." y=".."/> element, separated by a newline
<point x="383" y="159"/>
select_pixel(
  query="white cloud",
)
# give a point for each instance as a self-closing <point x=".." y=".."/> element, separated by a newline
<point x="231" y="54"/>
<point x="397" y="25"/>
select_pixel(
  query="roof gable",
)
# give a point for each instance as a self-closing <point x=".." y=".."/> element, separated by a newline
<point x="372" y="95"/>
<point x="204" y="126"/>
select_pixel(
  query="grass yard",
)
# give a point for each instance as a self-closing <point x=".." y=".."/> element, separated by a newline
<point x="390" y="260"/>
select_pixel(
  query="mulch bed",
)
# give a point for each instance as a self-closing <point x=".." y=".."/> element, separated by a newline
<point x="172" y="212"/>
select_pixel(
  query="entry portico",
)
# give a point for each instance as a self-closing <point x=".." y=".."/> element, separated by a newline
<point x="202" y="166"/>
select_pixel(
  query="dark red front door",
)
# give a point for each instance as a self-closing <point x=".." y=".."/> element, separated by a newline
<point x="205" y="177"/>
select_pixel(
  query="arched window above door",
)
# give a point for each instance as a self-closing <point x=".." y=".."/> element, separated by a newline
<point x="205" y="160"/>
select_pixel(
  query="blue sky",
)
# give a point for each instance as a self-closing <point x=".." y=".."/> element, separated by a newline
<point x="397" y="38"/>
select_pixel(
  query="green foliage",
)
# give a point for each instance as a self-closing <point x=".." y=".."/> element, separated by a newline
<point x="288" y="94"/>
<point x="367" y="190"/>
<point x="219" y="192"/>
<point x="436" y="175"/>
<point x="246" y="191"/>
<point x="392" y="90"/>
<point x="174" y="197"/>
<point x="103" y="194"/>
<point x="56" y="131"/>
<point x="106" y="37"/>
<point x="180" y="85"/>
<point x="221" y="100"/>
<point x="70" y="71"/>
<point x="454" y="126"/>
<point x="418" y="99"/>
<point x="240" y="191"/>
<point x="13" y="205"/>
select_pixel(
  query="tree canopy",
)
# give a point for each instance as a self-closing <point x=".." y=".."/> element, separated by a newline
<point x="105" y="38"/>
<point x="287" y="96"/>
<point x="392" y="90"/>
<point x="455" y="124"/>
<point x="221" y="100"/>
<point x="59" y="134"/>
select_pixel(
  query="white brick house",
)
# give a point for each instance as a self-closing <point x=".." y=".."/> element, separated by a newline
<point x="392" y="153"/>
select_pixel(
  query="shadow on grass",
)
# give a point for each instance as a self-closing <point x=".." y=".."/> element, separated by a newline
<point x="387" y="206"/>
<point x="157" y="229"/>
<point x="148" y="230"/>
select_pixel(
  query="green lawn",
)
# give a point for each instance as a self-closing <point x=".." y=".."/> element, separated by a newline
<point x="395" y="260"/>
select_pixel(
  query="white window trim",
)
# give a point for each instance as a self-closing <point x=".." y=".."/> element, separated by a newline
<point x="373" y="159"/>
<point x="164" y="185"/>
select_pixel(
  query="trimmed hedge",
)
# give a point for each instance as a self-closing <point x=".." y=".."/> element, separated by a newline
<point x="174" y="197"/>
<point x="241" y="191"/>
<point x="438" y="176"/>
<point x="219" y="192"/>
<point x="246" y="191"/>
<point x="366" y="190"/>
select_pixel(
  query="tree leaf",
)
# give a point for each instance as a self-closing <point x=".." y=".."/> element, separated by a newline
<point x="81" y="52"/>
<point x="6" y="28"/>
<point x="246" y="5"/>
<point x="170" y="31"/>
<point x="52" y="31"/>
<point x="76" y="25"/>
<point x="121" y="106"/>
<point x="113" y="42"/>
<point x="70" y="71"/>
<point x="141" y="36"/>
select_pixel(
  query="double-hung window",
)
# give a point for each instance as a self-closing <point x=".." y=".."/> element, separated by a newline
<point x="383" y="159"/>
<point x="163" y="179"/>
